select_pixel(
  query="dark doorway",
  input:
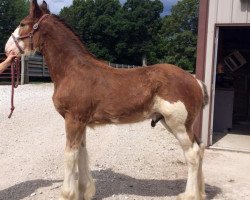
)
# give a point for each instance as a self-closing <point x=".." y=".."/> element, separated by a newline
<point x="232" y="88"/>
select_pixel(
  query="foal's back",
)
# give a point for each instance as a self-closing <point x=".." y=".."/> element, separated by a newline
<point x="110" y="95"/>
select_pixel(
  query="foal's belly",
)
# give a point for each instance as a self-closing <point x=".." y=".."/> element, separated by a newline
<point x="122" y="118"/>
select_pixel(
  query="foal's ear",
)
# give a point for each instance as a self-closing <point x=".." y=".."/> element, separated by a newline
<point x="44" y="7"/>
<point x="35" y="11"/>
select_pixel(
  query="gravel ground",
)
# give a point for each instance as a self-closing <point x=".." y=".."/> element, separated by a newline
<point x="128" y="162"/>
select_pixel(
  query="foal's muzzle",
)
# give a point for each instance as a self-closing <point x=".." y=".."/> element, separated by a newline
<point x="16" y="39"/>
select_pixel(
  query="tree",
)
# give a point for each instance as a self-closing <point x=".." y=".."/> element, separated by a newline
<point x="114" y="32"/>
<point x="179" y="34"/>
<point x="11" y="13"/>
<point x="96" y="23"/>
<point x="143" y="22"/>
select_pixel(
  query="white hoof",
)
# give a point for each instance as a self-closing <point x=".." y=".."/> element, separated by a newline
<point x="188" y="196"/>
<point x="184" y="196"/>
<point x="90" y="192"/>
<point x="68" y="195"/>
<point x="87" y="192"/>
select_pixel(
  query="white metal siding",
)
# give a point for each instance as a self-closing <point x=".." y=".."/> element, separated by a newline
<point x="230" y="11"/>
<point x="240" y="11"/>
<point x="224" y="11"/>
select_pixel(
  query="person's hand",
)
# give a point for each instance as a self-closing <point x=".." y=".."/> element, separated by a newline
<point x="7" y="62"/>
<point x="10" y="58"/>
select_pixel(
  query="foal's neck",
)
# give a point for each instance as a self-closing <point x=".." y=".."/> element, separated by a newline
<point x="63" y="51"/>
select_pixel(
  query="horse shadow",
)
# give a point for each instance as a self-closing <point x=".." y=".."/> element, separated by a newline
<point x="110" y="183"/>
<point x="25" y="189"/>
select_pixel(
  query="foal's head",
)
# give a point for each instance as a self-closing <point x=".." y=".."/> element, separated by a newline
<point x="25" y="39"/>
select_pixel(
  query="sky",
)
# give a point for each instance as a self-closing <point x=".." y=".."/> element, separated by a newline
<point x="56" y="5"/>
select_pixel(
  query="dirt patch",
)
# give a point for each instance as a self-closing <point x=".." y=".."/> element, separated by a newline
<point x="128" y="162"/>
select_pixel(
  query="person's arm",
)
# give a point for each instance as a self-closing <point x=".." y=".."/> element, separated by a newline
<point x="7" y="62"/>
<point x="3" y="66"/>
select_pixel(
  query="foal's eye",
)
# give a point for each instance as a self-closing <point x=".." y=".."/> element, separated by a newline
<point x="22" y="25"/>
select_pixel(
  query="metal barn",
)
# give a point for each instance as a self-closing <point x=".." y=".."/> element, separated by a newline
<point x="223" y="63"/>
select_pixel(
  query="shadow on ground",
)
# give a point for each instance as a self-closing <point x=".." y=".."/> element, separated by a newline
<point x="109" y="183"/>
<point x="25" y="189"/>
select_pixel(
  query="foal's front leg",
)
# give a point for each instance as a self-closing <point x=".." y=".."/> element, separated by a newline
<point x="86" y="184"/>
<point x="74" y="134"/>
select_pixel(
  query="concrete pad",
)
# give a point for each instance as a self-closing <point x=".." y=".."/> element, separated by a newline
<point x="234" y="142"/>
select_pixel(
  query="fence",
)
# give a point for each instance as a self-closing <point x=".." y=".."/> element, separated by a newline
<point x="31" y="66"/>
<point x="35" y="66"/>
<point x="123" y="66"/>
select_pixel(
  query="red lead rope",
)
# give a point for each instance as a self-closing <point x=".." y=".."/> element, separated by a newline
<point x="15" y="71"/>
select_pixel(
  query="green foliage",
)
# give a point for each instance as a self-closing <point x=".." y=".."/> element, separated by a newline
<point x="96" y="23"/>
<point x="114" y="32"/>
<point x="11" y="12"/>
<point x="123" y="33"/>
<point x="179" y="34"/>
<point x="143" y="18"/>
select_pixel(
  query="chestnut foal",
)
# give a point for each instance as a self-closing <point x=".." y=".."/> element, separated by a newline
<point x="87" y="92"/>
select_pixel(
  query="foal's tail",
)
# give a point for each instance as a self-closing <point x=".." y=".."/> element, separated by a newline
<point x="204" y="92"/>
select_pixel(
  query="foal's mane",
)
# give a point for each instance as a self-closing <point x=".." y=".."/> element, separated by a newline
<point x="66" y="25"/>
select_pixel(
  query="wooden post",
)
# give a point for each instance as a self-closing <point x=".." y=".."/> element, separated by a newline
<point x="201" y="53"/>
<point x="144" y="60"/>
<point x="22" y="70"/>
<point x="26" y="71"/>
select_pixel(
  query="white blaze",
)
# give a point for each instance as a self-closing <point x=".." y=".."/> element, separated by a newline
<point x="11" y="46"/>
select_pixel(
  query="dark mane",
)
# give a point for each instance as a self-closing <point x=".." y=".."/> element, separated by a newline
<point x="63" y="21"/>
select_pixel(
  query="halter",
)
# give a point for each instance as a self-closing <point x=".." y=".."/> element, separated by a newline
<point x="29" y="35"/>
<point x="15" y="66"/>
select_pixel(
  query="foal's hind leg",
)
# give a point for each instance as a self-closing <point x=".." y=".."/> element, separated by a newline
<point x="74" y="133"/>
<point x="200" y="175"/>
<point x="175" y="116"/>
<point x="195" y="189"/>
<point x="194" y="181"/>
<point x="85" y="183"/>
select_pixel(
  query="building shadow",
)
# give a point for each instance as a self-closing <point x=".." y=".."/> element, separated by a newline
<point x="109" y="183"/>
